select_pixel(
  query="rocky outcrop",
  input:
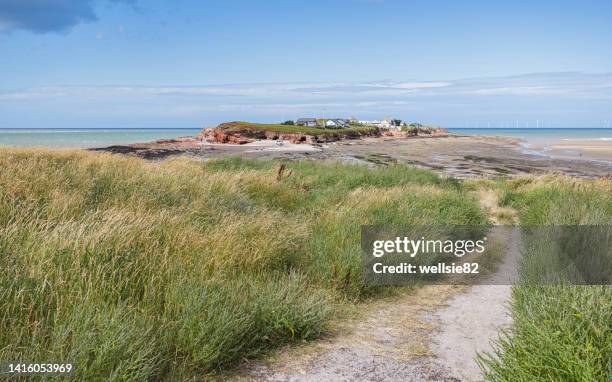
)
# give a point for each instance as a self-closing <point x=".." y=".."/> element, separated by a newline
<point x="220" y="134"/>
<point x="237" y="134"/>
<point x="427" y="131"/>
<point x="159" y="149"/>
<point x="142" y="152"/>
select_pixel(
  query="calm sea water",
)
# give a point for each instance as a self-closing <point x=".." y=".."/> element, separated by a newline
<point x="83" y="138"/>
<point x="543" y="135"/>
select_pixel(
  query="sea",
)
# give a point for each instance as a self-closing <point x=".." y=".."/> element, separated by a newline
<point x="542" y="135"/>
<point x="88" y="138"/>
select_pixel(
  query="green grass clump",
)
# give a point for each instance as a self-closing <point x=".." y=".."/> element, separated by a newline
<point x="560" y="332"/>
<point x="295" y="129"/>
<point x="136" y="270"/>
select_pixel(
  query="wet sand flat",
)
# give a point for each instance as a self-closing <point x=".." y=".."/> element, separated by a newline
<point x="453" y="155"/>
<point x="458" y="156"/>
<point x="597" y="150"/>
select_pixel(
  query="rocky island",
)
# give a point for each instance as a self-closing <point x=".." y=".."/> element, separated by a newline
<point x="242" y="133"/>
<point x="461" y="156"/>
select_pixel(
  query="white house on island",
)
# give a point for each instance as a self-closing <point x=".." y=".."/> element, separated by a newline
<point x="387" y="123"/>
<point x="337" y="123"/>
<point x="384" y="124"/>
<point x="309" y="122"/>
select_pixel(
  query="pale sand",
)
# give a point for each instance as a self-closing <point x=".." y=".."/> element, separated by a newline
<point x="597" y="150"/>
<point x="273" y="146"/>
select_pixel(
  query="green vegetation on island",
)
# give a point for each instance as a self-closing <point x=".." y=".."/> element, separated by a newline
<point x="295" y="129"/>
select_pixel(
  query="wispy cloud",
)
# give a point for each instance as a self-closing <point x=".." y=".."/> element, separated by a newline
<point x="546" y="84"/>
<point x="558" y="95"/>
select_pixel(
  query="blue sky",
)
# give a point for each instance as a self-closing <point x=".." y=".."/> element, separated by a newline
<point x="139" y="63"/>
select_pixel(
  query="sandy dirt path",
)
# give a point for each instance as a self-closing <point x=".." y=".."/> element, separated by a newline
<point x="431" y="334"/>
<point x="473" y="319"/>
<point x="427" y="336"/>
<point x="388" y="343"/>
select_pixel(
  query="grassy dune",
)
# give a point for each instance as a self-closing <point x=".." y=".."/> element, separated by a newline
<point x="176" y="270"/>
<point x="560" y="333"/>
<point x="166" y="271"/>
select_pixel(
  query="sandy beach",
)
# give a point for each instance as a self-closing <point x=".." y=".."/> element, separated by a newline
<point x="580" y="149"/>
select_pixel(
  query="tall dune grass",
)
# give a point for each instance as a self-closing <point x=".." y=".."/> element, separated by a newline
<point x="560" y="333"/>
<point x="135" y="270"/>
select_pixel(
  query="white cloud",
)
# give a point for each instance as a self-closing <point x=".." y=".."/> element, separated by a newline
<point x="544" y="95"/>
<point x="553" y="85"/>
